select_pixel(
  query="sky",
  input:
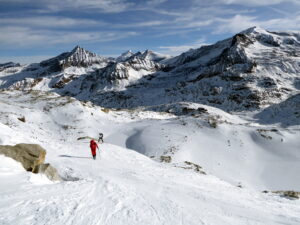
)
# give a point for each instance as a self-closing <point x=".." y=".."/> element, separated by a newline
<point x="33" y="30"/>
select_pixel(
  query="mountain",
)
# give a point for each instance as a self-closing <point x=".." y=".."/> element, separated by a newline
<point x="7" y="65"/>
<point x="251" y="70"/>
<point x="124" y="56"/>
<point x="53" y="73"/>
<point x="152" y="56"/>
<point x="78" y="57"/>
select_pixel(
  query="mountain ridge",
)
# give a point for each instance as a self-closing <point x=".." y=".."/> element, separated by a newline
<point x="249" y="71"/>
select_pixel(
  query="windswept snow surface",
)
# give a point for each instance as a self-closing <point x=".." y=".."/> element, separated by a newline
<point x="125" y="187"/>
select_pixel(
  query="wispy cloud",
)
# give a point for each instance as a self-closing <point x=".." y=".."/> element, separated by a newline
<point x="241" y="22"/>
<point x="109" y="6"/>
<point x="150" y="23"/>
<point x="106" y="6"/>
<point x="20" y="36"/>
<point x="176" y="50"/>
<point x="258" y="2"/>
<point x="142" y="24"/>
<point x="49" y="21"/>
<point x="24" y="59"/>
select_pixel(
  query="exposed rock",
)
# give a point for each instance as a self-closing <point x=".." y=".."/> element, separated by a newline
<point x="190" y="166"/>
<point x="29" y="155"/>
<point x="195" y="167"/>
<point x="165" y="158"/>
<point x="49" y="171"/>
<point x="63" y="81"/>
<point x="22" y="119"/>
<point x="32" y="157"/>
<point x="288" y="194"/>
<point x="199" y="110"/>
<point x="78" y="57"/>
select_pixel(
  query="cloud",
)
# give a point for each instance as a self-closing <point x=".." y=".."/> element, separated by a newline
<point x="24" y="59"/>
<point x="241" y="22"/>
<point x="49" y="21"/>
<point x="25" y="37"/>
<point x="198" y="15"/>
<point x="57" y="22"/>
<point x="235" y="24"/>
<point x="176" y="50"/>
<point x="111" y="6"/>
<point x="280" y="23"/>
<point x="142" y="24"/>
<point x="255" y="2"/>
<point x="155" y="2"/>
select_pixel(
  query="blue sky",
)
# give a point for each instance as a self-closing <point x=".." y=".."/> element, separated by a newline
<point x="32" y="30"/>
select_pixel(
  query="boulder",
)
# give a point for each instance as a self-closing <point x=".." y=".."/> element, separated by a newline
<point x="29" y="155"/>
<point x="32" y="157"/>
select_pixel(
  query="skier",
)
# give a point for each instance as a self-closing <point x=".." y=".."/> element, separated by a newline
<point x="93" y="146"/>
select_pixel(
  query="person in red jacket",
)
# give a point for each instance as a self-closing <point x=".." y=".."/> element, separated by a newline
<point x="93" y="146"/>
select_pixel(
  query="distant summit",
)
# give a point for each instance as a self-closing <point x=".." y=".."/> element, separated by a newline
<point x="78" y="57"/>
<point x="124" y="56"/>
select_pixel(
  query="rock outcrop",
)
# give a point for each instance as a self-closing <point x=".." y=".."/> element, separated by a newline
<point x="32" y="157"/>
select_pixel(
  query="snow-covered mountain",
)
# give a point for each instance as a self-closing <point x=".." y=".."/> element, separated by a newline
<point x="124" y="56"/>
<point x="78" y="57"/>
<point x="251" y="70"/>
<point x="53" y="73"/>
<point x="5" y="66"/>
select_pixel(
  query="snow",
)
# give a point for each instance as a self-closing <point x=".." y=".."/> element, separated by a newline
<point x="125" y="187"/>
<point x="196" y="109"/>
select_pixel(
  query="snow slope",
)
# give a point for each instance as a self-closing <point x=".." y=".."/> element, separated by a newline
<point x="125" y="187"/>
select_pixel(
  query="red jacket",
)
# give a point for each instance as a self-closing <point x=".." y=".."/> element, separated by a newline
<point x="93" y="145"/>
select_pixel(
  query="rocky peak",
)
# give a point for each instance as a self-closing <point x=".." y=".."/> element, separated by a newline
<point x="78" y="57"/>
<point x="134" y="65"/>
<point x="153" y="56"/>
<point x="81" y="52"/>
<point x="124" y="56"/>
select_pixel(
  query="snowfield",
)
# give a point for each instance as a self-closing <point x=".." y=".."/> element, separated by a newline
<point x="124" y="186"/>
